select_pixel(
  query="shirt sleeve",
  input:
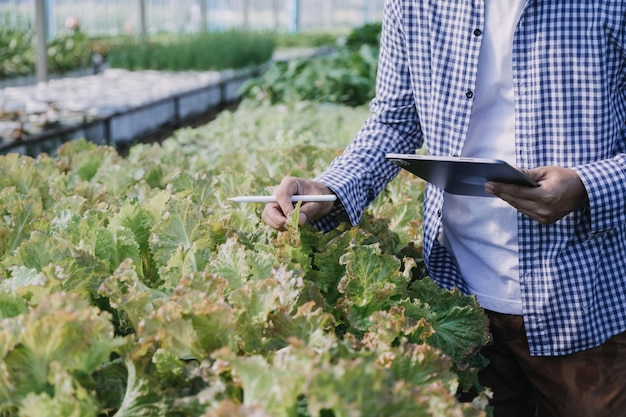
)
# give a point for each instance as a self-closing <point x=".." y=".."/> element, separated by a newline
<point x="361" y="172"/>
<point x="605" y="182"/>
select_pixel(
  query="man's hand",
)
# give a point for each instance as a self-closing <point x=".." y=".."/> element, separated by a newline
<point x="275" y="214"/>
<point x="560" y="192"/>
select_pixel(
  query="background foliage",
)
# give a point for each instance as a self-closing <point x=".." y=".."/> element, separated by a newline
<point x="67" y="51"/>
<point x="72" y="49"/>
<point x="204" y="51"/>
<point x="346" y="76"/>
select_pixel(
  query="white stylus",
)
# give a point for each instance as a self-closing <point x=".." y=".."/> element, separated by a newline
<point x="272" y="199"/>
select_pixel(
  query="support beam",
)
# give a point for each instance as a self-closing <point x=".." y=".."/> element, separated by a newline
<point x="204" y="15"/>
<point x="368" y="11"/>
<point x="276" y="14"/>
<point x="246" y="14"/>
<point x="143" y="21"/>
<point x="295" y="18"/>
<point x="41" y="34"/>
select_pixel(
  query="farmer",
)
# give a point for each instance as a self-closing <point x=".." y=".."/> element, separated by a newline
<point x="540" y="84"/>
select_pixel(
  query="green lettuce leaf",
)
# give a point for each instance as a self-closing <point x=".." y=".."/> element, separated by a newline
<point x="310" y="325"/>
<point x="130" y="297"/>
<point x="19" y="212"/>
<point x="79" y="271"/>
<point x="180" y="242"/>
<point x="460" y="325"/>
<point x="68" y="399"/>
<point x="372" y="282"/>
<point x="422" y="365"/>
<point x="138" y="220"/>
<point x="142" y="398"/>
<point x="27" y="286"/>
<point x="10" y="305"/>
<point x="78" y="338"/>
<point x="363" y="386"/>
<point x="293" y="247"/>
<point x="273" y="385"/>
<point x="391" y="327"/>
<point x="231" y="263"/>
<point x="190" y="327"/>
<point x="83" y="157"/>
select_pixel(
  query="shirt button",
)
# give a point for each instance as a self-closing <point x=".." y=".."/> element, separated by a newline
<point x="477" y="32"/>
<point x="469" y="94"/>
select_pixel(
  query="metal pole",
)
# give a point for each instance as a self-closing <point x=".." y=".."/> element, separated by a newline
<point x="368" y="11"/>
<point x="41" y="30"/>
<point x="50" y="28"/>
<point x="142" y="17"/>
<point x="216" y="23"/>
<point x="246" y="14"/>
<point x="295" y="25"/>
<point x="327" y="18"/>
<point x="204" y="12"/>
<point x="276" y="14"/>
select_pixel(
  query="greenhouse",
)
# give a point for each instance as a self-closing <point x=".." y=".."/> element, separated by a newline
<point x="207" y="208"/>
<point x="114" y="75"/>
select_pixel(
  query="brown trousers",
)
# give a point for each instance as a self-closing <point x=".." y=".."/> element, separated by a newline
<point x="591" y="383"/>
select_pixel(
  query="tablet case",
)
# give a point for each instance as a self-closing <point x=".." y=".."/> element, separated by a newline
<point x="461" y="175"/>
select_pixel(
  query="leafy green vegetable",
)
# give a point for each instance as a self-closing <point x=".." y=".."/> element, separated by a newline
<point x="372" y="283"/>
<point x="346" y="76"/>
<point x="141" y="399"/>
<point x="180" y="241"/>
<point x="460" y="325"/>
<point x="133" y="286"/>
<point x="69" y="398"/>
<point x="42" y="351"/>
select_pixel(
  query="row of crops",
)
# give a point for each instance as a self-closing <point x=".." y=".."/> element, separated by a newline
<point x="72" y="50"/>
<point x="132" y="286"/>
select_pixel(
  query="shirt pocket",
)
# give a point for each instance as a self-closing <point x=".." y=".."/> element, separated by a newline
<point x="577" y="270"/>
<point x="594" y="268"/>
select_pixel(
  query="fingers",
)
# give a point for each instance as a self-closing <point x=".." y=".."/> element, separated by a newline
<point x="288" y="187"/>
<point x="515" y="195"/>
<point x="560" y="192"/>
<point x="275" y="214"/>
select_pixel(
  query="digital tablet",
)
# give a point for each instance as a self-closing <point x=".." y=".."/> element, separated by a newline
<point x="461" y="175"/>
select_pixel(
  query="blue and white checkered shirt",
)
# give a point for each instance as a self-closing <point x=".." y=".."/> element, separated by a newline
<point x="569" y="74"/>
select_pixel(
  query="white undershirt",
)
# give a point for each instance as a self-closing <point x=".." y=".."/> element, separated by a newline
<point x="481" y="232"/>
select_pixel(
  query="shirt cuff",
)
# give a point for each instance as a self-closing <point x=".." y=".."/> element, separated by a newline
<point x="332" y="220"/>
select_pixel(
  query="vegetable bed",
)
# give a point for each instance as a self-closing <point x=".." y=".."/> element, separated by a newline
<point x="133" y="287"/>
